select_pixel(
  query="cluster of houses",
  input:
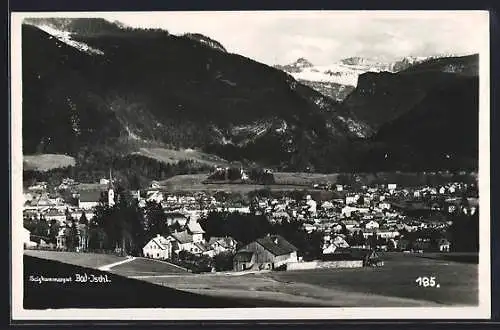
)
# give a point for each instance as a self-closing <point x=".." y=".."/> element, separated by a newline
<point x="348" y="220"/>
<point x="190" y="240"/>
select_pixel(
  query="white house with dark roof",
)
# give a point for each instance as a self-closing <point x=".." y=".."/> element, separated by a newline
<point x="158" y="247"/>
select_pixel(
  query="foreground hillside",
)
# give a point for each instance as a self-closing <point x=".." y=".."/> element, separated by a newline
<point x="391" y="285"/>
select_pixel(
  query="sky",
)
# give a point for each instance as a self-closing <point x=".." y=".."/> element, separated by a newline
<point x="324" y="37"/>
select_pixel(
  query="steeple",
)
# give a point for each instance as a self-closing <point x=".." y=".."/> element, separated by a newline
<point x="111" y="192"/>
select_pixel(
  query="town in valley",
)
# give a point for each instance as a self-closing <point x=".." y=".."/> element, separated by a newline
<point x="321" y="225"/>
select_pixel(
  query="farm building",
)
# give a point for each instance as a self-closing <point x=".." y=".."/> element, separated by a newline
<point x="268" y="252"/>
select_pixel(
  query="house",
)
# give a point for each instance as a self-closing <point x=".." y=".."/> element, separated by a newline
<point x="26" y="237"/>
<point x="384" y="206"/>
<point x="158" y="247"/>
<point x="104" y="181"/>
<point x="329" y="248"/>
<point x="340" y="241"/>
<point x="311" y="204"/>
<point x="443" y="245"/>
<point x="392" y="186"/>
<point x="182" y="241"/>
<point x="200" y="248"/>
<point x="268" y="252"/>
<point x="194" y="229"/>
<point x="154" y="195"/>
<point x="309" y="228"/>
<point x="222" y="244"/>
<point x="339" y="187"/>
<point x="331" y="245"/>
<point x="351" y="199"/>
<point x="372" y="224"/>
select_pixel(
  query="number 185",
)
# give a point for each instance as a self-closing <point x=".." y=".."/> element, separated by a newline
<point x="426" y="281"/>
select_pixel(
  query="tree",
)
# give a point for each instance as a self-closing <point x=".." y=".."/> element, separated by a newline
<point x="67" y="213"/>
<point x="72" y="236"/>
<point x="83" y="219"/>
<point x="53" y="231"/>
<point x="41" y="228"/>
<point x="372" y="241"/>
<point x="155" y="222"/>
<point x="223" y="261"/>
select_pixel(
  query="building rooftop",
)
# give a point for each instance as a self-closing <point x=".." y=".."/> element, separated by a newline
<point x="276" y="244"/>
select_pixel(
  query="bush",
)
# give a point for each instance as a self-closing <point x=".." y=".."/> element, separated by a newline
<point x="223" y="261"/>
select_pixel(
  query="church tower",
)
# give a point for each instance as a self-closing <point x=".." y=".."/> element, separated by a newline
<point x="111" y="191"/>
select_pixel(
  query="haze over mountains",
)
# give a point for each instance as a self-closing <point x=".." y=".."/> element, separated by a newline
<point x="99" y="90"/>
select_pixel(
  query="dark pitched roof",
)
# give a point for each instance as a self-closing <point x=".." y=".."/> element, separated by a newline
<point x="194" y="228"/>
<point x="183" y="237"/>
<point x="276" y="244"/>
<point x="90" y="195"/>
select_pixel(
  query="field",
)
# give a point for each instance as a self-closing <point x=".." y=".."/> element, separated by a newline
<point x="46" y="162"/>
<point x="144" y="267"/>
<point x="170" y="156"/>
<point x="91" y="260"/>
<point x="303" y="179"/>
<point x="458" y="282"/>
<point x="194" y="182"/>
<point x="392" y="285"/>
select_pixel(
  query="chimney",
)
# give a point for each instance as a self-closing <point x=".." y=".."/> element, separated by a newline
<point x="276" y="240"/>
<point x="157" y="235"/>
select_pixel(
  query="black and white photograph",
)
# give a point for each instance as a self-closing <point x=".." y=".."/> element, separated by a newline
<point x="205" y="165"/>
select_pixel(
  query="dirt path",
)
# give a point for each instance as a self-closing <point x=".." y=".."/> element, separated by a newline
<point x="109" y="266"/>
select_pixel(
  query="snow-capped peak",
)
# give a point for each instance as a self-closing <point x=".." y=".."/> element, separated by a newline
<point x="345" y="71"/>
<point x="65" y="36"/>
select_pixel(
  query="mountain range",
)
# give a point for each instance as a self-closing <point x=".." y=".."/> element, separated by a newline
<point x="101" y="91"/>
<point x="339" y="79"/>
